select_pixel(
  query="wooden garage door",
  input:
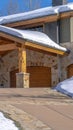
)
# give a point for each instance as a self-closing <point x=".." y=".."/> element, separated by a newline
<point x="13" y="78"/>
<point x="70" y="71"/>
<point x="39" y="76"/>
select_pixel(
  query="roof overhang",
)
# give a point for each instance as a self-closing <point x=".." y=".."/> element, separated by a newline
<point x="40" y="20"/>
<point x="32" y="39"/>
<point x="47" y="14"/>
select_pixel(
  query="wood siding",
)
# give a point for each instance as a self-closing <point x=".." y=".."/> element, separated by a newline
<point x="13" y="78"/>
<point x="40" y="76"/>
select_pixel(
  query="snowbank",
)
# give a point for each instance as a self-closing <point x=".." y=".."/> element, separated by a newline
<point x="66" y="87"/>
<point x="6" y="124"/>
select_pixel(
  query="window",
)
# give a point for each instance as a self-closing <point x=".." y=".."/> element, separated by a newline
<point x="51" y="30"/>
<point x="38" y="28"/>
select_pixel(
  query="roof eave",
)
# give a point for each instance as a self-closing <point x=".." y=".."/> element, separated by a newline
<point x="33" y="44"/>
<point x="41" y="19"/>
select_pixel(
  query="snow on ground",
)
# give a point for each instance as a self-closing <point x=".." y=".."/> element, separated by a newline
<point x="66" y="87"/>
<point x="6" y="124"/>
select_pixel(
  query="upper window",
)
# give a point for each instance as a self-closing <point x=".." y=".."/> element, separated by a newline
<point x="38" y="28"/>
<point x="51" y="30"/>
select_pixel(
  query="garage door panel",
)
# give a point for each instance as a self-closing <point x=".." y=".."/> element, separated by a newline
<point x="39" y="76"/>
<point x="13" y="78"/>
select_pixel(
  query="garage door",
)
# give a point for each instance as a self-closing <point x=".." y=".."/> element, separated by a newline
<point x="13" y="78"/>
<point x="39" y="76"/>
<point x="70" y="71"/>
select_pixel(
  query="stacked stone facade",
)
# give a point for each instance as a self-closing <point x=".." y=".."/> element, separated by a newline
<point x="9" y="62"/>
<point x="66" y="61"/>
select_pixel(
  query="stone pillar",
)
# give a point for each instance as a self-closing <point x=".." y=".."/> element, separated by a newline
<point x="59" y="68"/>
<point x="22" y="80"/>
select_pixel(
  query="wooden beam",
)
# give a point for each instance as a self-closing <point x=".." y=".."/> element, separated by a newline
<point x="33" y="45"/>
<point x="7" y="47"/>
<point x="41" y="51"/>
<point x="66" y="15"/>
<point x="43" y="48"/>
<point x="22" y="59"/>
<point x="43" y="19"/>
<point x="30" y="25"/>
<point x="34" y="20"/>
<point x="10" y="37"/>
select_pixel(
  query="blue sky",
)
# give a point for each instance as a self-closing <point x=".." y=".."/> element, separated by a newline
<point x="21" y="5"/>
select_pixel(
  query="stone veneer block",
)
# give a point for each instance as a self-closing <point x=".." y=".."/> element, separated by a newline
<point x="22" y="80"/>
<point x="34" y="58"/>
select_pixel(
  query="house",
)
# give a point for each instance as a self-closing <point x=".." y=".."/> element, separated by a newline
<point x="36" y="47"/>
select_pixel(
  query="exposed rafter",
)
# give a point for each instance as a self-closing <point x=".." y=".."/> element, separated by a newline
<point x="7" y="47"/>
<point x="42" y="48"/>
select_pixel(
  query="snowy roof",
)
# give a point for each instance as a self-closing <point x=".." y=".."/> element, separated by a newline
<point x="32" y="36"/>
<point x="36" y="13"/>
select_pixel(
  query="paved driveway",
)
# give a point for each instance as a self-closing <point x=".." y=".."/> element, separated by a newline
<point x="38" y="109"/>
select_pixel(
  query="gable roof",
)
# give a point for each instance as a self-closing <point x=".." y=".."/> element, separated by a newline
<point x="37" y="38"/>
<point x="48" y="11"/>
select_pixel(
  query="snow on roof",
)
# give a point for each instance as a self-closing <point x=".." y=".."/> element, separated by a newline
<point x="32" y="36"/>
<point x="36" y="13"/>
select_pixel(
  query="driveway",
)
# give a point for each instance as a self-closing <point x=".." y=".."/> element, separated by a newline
<point x="37" y="108"/>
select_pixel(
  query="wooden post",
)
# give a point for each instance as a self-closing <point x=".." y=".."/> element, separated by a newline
<point x="22" y="78"/>
<point x="22" y="59"/>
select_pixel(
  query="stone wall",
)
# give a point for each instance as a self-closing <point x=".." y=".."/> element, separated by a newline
<point x="9" y="62"/>
<point x="66" y="60"/>
<point x="40" y="59"/>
